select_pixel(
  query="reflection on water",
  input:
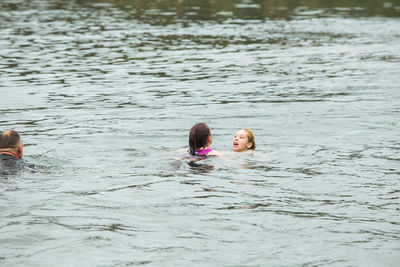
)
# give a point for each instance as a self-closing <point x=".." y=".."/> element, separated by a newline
<point x="172" y="11"/>
<point x="200" y="167"/>
<point x="104" y="93"/>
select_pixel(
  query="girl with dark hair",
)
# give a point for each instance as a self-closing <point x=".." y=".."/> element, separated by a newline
<point x="200" y="139"/>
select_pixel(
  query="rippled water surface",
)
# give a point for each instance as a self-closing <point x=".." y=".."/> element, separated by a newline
<point x="104" y="93"/>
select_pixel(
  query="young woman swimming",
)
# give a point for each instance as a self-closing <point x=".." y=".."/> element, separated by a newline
<point x="243" y="140"/>
<point x="200" y="139"/>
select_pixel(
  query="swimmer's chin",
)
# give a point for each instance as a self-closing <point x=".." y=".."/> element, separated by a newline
<point x="235" y="149"/>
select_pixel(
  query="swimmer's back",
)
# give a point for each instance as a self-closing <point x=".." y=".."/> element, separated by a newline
<point x="11" y="165"/>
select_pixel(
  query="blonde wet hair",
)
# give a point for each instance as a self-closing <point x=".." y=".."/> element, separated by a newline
<point x="250" y="138"/>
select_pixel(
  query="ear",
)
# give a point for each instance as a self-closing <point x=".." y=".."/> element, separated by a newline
<point x="19" y="151"/>
<point x="209" y="139"/>
<point x="250" y="144"/>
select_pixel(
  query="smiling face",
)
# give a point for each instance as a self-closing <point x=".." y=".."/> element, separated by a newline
<point x="240" y="141"/>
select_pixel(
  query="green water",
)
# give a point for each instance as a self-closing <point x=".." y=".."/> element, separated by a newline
<point x="104" y="93"/>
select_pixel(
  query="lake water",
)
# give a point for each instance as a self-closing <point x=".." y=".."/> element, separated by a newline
<point x="104" y="93"/>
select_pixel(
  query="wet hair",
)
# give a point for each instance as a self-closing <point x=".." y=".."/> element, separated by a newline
<point x="9" y="139"/>
<point x="198" y="137"/>
<point x="250" y="138"/>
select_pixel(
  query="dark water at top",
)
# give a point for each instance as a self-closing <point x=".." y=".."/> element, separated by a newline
<point x="104" y="93"/>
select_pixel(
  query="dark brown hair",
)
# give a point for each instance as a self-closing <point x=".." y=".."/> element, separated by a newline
<point x="9" y="139"/>
<point x="198" y="137"/>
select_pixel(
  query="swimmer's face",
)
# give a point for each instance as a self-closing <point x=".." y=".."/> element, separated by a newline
<point x="240" y="141"/>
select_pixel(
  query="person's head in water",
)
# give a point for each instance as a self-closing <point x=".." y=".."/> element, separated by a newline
<point x="199" y="137"/>
<point x="11" y="144"/>
<point x="243" y="140"/>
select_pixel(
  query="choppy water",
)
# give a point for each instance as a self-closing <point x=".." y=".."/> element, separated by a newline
<point x="104" y="94"/>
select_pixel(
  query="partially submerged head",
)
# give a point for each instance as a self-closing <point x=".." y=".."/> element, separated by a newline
<point x="11" y="144"/>
<point x="199" y="137"/>
<point x="243" y="140"/>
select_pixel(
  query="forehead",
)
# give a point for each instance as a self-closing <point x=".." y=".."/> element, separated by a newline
<point x="241" y="132"/>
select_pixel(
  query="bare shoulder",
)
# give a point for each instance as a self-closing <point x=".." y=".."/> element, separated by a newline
<point x="215" y="153"/>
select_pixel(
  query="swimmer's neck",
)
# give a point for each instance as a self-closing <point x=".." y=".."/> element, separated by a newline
<point x="10" y="153"/>
<point x="207" y="145"/>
